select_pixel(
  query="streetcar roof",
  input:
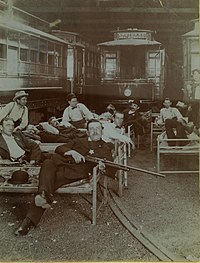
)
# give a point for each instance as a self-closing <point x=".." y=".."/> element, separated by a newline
<point x="193" y="33"/>
<point x="130" y="42"/>
<point x="22" y="28"/>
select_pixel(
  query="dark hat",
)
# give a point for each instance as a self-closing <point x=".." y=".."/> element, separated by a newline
<point x="19" y="177"/>
<point x="71" y="96"/>
<point x="167" y="101"/>
<point x="20" y="94"/>
<point x="2" y="179"/>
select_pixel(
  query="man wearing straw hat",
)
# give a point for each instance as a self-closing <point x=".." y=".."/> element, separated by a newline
<point x="17" y="110"/>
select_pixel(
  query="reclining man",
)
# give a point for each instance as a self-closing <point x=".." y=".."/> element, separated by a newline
<point x="14" y="146"/>
<point x="172" y="118"/>
<point x="67" y="165"/>
<point x="52" y="131"/>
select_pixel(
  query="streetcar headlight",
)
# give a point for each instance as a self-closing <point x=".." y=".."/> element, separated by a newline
<point x="127" y="92"/>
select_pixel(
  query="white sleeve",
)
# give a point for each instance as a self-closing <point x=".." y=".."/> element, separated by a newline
<point x="160" y="118"/>
<point x="6" y="110"/>
<point x="87" y="113"/>
<point x="178" y="114"/>
<point x="65" y="118"/>
<point x="111" y="133"/>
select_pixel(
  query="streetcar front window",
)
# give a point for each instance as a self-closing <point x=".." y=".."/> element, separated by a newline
<point x="110" y="65"/>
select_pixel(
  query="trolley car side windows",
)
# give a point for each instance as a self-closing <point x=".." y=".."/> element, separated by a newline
<point x="195" y="54"/>
<point x="43" y="58"/>
<point x="3" y="51"/>
<point x="24" y="54"/>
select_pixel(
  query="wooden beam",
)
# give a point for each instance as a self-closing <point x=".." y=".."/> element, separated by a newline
<point x="92" y="21"/>
<point x="81" y="9"/>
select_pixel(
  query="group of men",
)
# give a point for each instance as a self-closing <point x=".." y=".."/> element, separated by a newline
<point x="68" y="163"/>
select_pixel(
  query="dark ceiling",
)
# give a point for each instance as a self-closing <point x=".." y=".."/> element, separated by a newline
<point x="97" y="18"/>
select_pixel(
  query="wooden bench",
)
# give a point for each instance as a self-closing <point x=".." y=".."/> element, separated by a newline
<point x="120" y="154"/>
<point x="164" y="149"/>
<point x="85" y="186"/>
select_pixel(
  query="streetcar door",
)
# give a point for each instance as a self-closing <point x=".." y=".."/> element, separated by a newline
<point x="155" y="61"/>
<point x="12" y="61"/>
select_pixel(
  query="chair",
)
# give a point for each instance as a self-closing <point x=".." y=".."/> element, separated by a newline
<point x="155" y="130"/>
<point x="131" y="134"/>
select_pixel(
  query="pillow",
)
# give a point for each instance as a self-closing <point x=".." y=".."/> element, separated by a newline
<point x="49" y="128"/>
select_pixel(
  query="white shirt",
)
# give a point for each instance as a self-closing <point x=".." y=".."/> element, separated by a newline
<point x="197" y="93"/>
<point x="76" y="114"/>
<point x="169" y="113"/>
<point x="111" y="133"/>
<point x="15" y="111"/>
<point x="14" y="149"/>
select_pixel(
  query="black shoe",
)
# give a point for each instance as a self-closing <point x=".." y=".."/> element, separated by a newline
<point x="24" y="227"/>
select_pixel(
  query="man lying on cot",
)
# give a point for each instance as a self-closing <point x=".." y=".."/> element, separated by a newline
<point x="67" y="165"/>
<point x="52" y="131"/>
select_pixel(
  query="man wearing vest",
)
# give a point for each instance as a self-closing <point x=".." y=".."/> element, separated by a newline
<point x="15" y="147"/>
<point x="17" y="110"/>
<point x="77" y="114"/>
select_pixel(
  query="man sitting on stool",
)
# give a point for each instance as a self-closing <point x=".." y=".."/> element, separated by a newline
<point x="172" y="118"/>
<point x="67" y="165"/>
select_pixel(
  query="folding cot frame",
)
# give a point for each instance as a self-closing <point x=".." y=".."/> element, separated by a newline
<point x="85" y="186"/>
<point x="175" y="150"/>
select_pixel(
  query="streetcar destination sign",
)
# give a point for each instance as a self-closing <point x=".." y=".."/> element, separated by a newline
<point x="133" y="35"/>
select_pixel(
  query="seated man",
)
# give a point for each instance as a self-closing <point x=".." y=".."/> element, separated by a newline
<point x="134" y="118"/>
<point x="14" y="146"/>
<point x="109" y="114"/>
<point x="76" y="113"/>
<point x="17" y="110"/>
<point x="172" y="118"/>
<point x="67" y="165"/>
<point x="114" y="131"/>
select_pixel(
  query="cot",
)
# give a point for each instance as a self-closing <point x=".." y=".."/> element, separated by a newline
<point x="191" y="148"/>
<point x="85" y="186"/>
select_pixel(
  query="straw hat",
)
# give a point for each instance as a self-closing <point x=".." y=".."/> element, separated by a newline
<point x="20" y="94"/>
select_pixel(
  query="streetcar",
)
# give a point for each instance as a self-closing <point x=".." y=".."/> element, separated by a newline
<point x="48" y="64"/>
<point x="34" y="61"/>
<point x="83" y="62"/>
<point x="133" y="66"/>
<point x="191" y="52"/>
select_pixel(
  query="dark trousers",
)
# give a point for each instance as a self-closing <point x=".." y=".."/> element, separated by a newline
<point x="137" y="127"/>
<point x="180" y="131"/>
<point x="53" y="174"/>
